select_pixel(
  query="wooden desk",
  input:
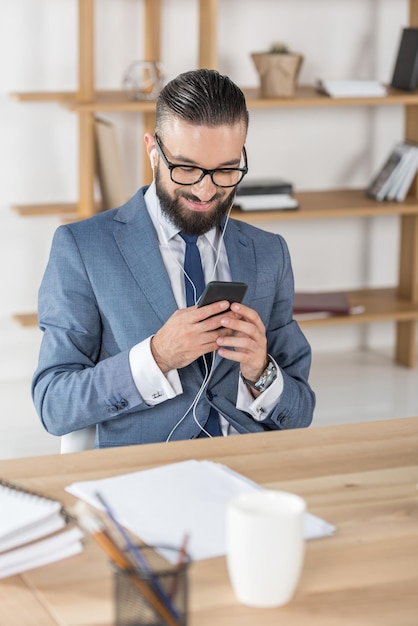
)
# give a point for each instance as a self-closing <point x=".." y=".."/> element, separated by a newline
<point x="361" y="477"/>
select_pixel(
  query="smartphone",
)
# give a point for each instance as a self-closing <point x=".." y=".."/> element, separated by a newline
<point x="222" y="290"/>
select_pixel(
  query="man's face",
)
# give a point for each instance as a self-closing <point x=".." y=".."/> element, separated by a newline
<point x="196" y="208"/>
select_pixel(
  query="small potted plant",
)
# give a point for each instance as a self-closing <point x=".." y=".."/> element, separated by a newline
<point x="278" y="70"/>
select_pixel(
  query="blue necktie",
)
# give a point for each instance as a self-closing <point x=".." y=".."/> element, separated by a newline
<point x="194" y="281"/>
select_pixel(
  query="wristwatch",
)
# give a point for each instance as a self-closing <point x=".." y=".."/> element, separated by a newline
<point x="268" y="376"/>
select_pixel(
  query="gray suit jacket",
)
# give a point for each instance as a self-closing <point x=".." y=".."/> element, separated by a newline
<point x="106" y="288"/>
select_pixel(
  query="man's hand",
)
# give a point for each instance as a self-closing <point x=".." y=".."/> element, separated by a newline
<point x="247" y="337"/>
<point x="189" y="333"/>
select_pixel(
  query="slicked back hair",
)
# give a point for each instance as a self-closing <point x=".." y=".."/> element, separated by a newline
<point x="203" y="98"/>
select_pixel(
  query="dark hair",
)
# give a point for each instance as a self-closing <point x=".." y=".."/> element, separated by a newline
<point x="202" y="97"/>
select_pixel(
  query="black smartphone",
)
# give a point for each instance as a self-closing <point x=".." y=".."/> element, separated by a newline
<point x="222" y="290"/>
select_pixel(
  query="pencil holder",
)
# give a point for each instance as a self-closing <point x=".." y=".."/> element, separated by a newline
<point x="155" y="596"/>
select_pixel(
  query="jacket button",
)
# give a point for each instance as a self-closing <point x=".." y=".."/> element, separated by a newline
<point x="284" y="420"/>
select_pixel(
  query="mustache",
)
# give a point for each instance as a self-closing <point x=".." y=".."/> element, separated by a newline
<point x="193" y="198"/>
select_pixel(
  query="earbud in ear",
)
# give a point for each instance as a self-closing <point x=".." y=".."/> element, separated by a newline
<point x="152" y="156"/>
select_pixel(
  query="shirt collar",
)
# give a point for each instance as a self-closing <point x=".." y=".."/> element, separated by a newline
<point x="166" y="230"/>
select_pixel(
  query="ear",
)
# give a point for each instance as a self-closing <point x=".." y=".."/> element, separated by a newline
<point x="152" y="152"/>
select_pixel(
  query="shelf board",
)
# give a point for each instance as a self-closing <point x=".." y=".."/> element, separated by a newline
<point x="67" y="209"/>
<point x="305" y="96"/>
<point x="111" y="100"/>
<point x="381" y="305"/>
<point x="43" y="96"/>
<point x="26" y="319"/>
<point x="313" y="205"/>
<point x="332" y="204"/>
<point x="308" y="96"/>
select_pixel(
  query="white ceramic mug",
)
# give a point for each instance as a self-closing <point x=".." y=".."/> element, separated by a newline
<point x="265" y="546"/>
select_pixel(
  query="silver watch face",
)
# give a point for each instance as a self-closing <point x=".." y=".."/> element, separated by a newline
<point x="267" y="377"/>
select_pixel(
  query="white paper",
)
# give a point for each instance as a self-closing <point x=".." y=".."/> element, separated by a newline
<point x="55" y="548"/>
<point x="266" y="201"/>
<point x="352" y="88"/>
<point x="25" y="517"/>
<point x="163" y="504"/>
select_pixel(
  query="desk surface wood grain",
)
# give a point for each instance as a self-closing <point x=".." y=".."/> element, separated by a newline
<point x="361" y="477"/>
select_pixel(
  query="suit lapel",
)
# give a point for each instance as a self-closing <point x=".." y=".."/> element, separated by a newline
<point x="137" y="241"/>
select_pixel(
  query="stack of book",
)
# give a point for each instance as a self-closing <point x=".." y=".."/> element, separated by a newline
<point x="395" y="177"/>
<point x="265" y="194"/>
<point x="34" y="531"/>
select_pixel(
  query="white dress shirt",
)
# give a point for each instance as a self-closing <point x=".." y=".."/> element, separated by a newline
<point x="155" y="386"/>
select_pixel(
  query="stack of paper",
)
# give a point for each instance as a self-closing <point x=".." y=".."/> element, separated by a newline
<point x="265" y="202"/>
<point x="162" y="505"/>
<point x="33" y="531"/>
<point x="352" y="88"/>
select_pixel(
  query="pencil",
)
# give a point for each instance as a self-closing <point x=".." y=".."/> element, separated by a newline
<point x="181" y="561"/>
<point x="93" y="525"/>
<point x="137" y="556"/>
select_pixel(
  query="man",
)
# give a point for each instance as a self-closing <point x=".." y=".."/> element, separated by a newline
<point x="125" y="347"/>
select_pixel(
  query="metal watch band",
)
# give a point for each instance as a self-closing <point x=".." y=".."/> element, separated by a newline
<point x="268" y="376"/>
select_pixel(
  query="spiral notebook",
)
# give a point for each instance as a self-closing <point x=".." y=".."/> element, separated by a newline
<point x="34" y="530"/>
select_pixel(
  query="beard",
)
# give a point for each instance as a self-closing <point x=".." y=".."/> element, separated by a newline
<point x="192" y="222"/>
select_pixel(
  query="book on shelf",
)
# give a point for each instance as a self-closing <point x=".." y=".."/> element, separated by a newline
<point x="34" y="530"/>
<point x="255" y="186"/>
<point x="316" y="304"/>
<point x="265" y="194"/>
<point x="351" y="88"/>
<point x="394" y="178"/>
<point x="405" y="73"/>
<point x="109" y="165"/>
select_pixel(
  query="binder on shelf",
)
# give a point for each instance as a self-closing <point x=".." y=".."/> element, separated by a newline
<point x="405" y="73"/>
<point x="34" y="530"/>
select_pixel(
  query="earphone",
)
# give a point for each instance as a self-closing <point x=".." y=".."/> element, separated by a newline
<point x="152" y="156"/>
<point x="208" y="372"/>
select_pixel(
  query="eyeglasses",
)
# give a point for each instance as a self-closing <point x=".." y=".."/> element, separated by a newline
<point x="191" y="174"/>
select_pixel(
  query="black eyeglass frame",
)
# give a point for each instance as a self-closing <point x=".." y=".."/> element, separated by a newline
<point x="205" y="172"/>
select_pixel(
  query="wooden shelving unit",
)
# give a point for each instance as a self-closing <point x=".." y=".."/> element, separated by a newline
<point x="399" y="305"/>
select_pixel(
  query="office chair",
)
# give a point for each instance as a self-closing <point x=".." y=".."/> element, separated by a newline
<point x="78" y="440"/>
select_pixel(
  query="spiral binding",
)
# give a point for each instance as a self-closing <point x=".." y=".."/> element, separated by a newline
<point x="31" y="492"/>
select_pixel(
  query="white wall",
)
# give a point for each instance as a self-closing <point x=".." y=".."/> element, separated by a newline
<point x="313" y="148"/>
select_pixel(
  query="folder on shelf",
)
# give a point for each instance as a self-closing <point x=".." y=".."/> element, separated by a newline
<point x="313" y="304"/>
<point x="405" y="73"/>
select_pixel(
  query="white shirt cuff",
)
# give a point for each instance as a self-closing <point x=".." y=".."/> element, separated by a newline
<point x="154" y="386"/>
<point x="261" y="406"/>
